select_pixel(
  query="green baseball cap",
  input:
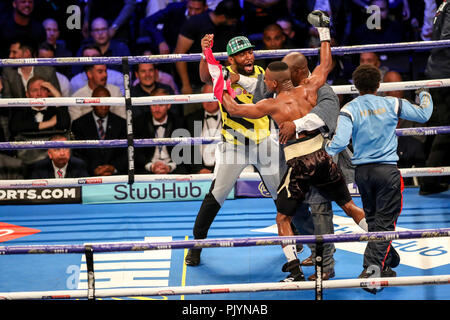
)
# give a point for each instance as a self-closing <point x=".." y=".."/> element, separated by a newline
<point x="238" y="44"/>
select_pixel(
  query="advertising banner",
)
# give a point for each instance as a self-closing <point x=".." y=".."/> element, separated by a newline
<point x="147" y="192"/>
<point x="44" y="195"/>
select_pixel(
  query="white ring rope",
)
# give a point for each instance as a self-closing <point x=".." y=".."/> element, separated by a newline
<point x="70" y="182"/>
<point x="232" y="288"/>
<point x="197" y="98"/>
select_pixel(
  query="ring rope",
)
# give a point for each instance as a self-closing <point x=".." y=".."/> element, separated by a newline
<point x="197" y="98"/>
<point x="231" y="288"/>
<point x="215" y="243"/>
<point x="171" y="58"/>
<point x="143" y="178"/>
<point x="181" y="141"/>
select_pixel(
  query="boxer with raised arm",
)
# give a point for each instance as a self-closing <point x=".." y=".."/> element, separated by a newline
<point x="306" y="158"/>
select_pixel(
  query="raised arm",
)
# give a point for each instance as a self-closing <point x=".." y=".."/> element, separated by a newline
<point x="203" y="66"/>
<point x="320" y="73"/>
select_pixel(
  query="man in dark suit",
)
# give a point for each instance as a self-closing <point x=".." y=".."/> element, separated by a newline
<point x="206" y="122"/>
<point x="158" y="123"/>
<point x="100" y="124"/>
<point x="38" y="122"/>
<point x="14" y="79"/>
<point x="59" y="164"/>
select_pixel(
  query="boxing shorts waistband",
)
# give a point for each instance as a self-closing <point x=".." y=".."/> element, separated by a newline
<point x="303" y="147"/>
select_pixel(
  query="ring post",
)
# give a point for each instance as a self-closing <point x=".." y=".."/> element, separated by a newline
<point x="129" y="119"/>
<point x="319" y="267"/>
<point x="89" y="253"/>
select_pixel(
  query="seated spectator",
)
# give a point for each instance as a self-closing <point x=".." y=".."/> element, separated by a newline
<point x="20" y="24"/>
<point x="59" y="164"/>
<point x="259" y="14"/>
<point x="100" y="124"/>
<point x="38" y="122"/>
<point x="14" y="79"/>
<point x="166" y="38"/>
<point x="117" y="13"/>
<point x="292" y="32"/>
<point x="46" y="50"/>
<point x="97" y="76"/>
<point x="206" y="122"/>
<point x="10" y="166"/>
<point x="158" y="123"/>
<point x="389" y="31"/>
<point x="108" y="47"/>
<point x="162" y="77"/>
<point x="52" y="32"/>
<point x="146" y="74"/>
<point x="273" y="39"/>
<point x="80" y="79"/>
<point x="59" y="46"/>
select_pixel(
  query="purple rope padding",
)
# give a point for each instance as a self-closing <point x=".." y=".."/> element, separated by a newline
<point x="214" y="243"/>
<point x="118" y="143"/>
<point x="422" y="131"/>
<point x="170" y="58"/>
<point x="122" y="143"/>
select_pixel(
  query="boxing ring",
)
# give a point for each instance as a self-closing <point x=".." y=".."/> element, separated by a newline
<point x="125" y="247"/>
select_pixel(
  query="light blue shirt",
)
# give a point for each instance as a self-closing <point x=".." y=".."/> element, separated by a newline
<point x="370" y="121"/>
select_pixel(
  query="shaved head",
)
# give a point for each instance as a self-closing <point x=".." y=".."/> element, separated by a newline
<point x="295" y="60"/>
<point x="279" y="71"/>
<point x="298" y="66"/>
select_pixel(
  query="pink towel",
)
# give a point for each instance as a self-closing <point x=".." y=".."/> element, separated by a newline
<point x="215" y="70"/>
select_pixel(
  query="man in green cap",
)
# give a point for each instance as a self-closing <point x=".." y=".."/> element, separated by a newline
<point x="244" y="141"/>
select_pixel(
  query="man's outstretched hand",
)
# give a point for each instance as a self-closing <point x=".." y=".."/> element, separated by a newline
<point x="287" y="131"/>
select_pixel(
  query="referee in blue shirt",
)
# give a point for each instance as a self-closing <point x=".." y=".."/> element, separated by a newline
<point x="370" y="121"/>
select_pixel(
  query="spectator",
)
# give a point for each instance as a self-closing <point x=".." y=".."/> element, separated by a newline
<point x="438" y="68"/>
<point x="374" y="59"/>
<point x="259" y="14"/>
<point x="293" y="33"/>
<point x="162" y="77"/>
<point x="389" y="31"/>
<point x="158" y="123"/>
<point x="80" y="79"/>
<point x="117" y="14"/>
<point x="100" y="124"/>
<point x="221" y="22"/>
<point x="14" y="79"/>
<point x="166" y="39"/>
<point x="38" y="122"/>
<point x="206" y="122"/>
<point x="97" y="75"/>
<point x="20" y="24"/>
<point x="340" y="19"/>
<point x="147" y="74"/>
<point x="273" y="39"/>
<point x="108" y="47"/>
<point x="59" y="164"/>
<point x="53" y="38"/>
<point x="10" y="166"/>
<point x="46" y="50"/>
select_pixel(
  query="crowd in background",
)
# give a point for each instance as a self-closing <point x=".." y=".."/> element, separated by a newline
<point x="94" y="28"/>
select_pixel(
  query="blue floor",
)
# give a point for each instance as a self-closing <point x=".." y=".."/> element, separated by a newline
<point x="77" y="224"/>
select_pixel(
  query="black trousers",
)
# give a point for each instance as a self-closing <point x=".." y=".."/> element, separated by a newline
<point x="380" y="187"/>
